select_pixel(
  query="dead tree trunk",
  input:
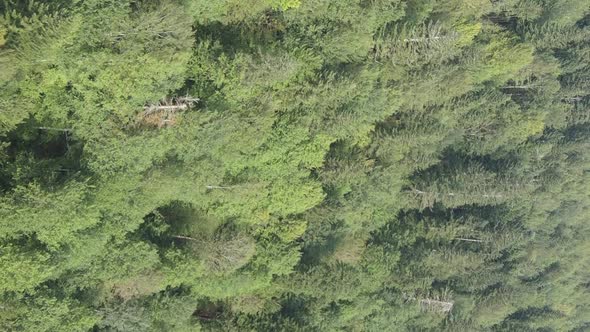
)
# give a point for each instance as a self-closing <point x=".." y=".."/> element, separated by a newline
<point x="520" y="87"/>
<point x="188" y="100"/>
<point x="422" y="39"/>
<point x="572" y="100"/>
<point x="217" y="187"/>
<point x="157" y="108"/>
<point x="55" y="129"/>
<point x="436" y="305"/>
<point x="468" y="240"/>
<point x="181" y="237"/>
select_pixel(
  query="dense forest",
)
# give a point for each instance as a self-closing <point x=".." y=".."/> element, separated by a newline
<point x="295" y="165"/>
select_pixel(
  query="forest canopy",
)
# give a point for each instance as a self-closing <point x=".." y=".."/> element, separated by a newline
<point x="295" y="165"/>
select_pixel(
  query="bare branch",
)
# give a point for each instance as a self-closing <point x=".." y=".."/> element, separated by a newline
<point x="181" y="237"/>
<point x="55" y="129"/>
<point x="468" y="240"/>
<point x="436" y="305"/>
<point x="156" y="108"/>
<point x="218" y="187"/>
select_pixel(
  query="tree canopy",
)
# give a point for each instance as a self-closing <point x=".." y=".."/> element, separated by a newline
<point x="295" y="165"/>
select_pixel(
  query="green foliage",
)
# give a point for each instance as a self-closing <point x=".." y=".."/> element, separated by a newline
<point x="47" y="313"/>
<point x="67" y="208"/>
<point x="23" y="269"/>
<point x="294" y="165"/>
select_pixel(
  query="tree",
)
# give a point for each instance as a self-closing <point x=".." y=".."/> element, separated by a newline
<point x="290" y="165"/>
